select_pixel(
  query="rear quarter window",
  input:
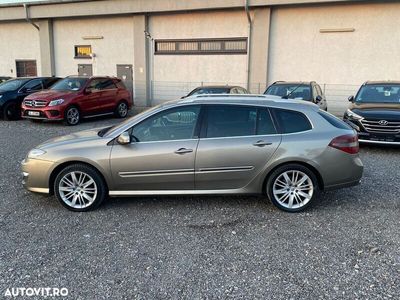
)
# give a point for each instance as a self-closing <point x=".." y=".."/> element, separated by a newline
<point x="290" y="121"/>
<point x="120" y="84"/>
<point x="333" y="120"/>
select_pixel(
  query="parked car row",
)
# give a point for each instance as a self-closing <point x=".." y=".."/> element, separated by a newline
<point x="69" y="99"/>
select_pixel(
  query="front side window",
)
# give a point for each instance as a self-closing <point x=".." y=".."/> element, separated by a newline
<point x="173" y="124"/>
<point x="11" y="85"/>
<point x="33" y="85"/>
<point x="292" y="121"/>
<point x="379" y="93"/>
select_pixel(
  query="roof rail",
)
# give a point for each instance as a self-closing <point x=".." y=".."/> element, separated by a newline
<point x="229" y="95"/>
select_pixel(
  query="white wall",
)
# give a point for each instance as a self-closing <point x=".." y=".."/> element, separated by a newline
<point x="300" y="52"/>
<point x="197" y="68"/>
<point x="18" y="41"/>
<point x="115" y="48"/>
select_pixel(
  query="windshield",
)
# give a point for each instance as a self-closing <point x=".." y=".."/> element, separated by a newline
<point x="202" y="91"/>
<point x="294" y="91"/>
<point x="69" y="84"/>
<point x="11" y="85"/>
<point x="379" y="93"/>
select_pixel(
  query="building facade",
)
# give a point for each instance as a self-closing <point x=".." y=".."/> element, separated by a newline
<point x="164" y="48"/>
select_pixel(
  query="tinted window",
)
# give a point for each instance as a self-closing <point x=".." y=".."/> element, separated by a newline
<point x="265" y="124"/>
<point x="292" y="121"/>
<point x="292" y="91"/>
<point x="225" y="121"/>
<point x="95" y="84"/>
<point x="106" y="84"/>
<point x="379" y="93"/>
<point x="11" y="85"/>
<point x="50" y="81"/>
<point x="173" y="124"/>
<point x="333" y="120"/>
<point x="34" y="85"/>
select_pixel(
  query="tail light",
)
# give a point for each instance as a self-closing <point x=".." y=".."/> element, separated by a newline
<point x="347" y="143"/>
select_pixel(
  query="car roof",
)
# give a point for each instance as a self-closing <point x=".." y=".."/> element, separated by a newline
<point x="382" y="82"/>
<point x="35" y="77"/>
<point x="246" y="99"/>
<point x="91" y="77"/>
<point x="292" y="82"/>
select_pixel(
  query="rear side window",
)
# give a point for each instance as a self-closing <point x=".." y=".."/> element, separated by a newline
<point x="120" y="84"/>
<point x="333" y="120"/>
<point x="232" y="121"/>
<point x="292" y="121"/>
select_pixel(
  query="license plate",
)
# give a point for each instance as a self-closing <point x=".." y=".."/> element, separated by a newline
<point x="34" y="113"/>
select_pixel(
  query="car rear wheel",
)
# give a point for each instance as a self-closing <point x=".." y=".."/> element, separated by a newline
<point x="12" y="112"/>
<point x="122" y="110"/>
<point x="80" y="188"/>
<point x="292" y="187"/>
<point x="72" y="116"/>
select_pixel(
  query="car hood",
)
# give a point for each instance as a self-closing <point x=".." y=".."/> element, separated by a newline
<point x="50" y="95"/>
<point x="73" y="138"/>
<point x="379" y="111"/>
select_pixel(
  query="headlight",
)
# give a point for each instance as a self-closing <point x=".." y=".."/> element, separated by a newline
<point x="56" y="102"/>
<point x="35" y="153"/>
<point x="352" y="115"/>
<point x="1" y="96"/>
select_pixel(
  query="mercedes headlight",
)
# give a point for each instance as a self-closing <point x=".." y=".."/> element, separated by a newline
<point x="56" y="102"/>
<point x="35" y="153"/>
<point x="352" y="115"/>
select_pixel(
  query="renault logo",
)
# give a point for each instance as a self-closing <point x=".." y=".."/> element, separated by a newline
<point x="383" y="122"/>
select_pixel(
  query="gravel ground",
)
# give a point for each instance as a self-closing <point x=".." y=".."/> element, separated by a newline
<point x="346" y="246"/>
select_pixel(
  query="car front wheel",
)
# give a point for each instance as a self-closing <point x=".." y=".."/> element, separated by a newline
<point x="80" y="188"/>
<point x="72" y="116"/>
<point x="12" y="112"/>
<point x="292" y="187"/>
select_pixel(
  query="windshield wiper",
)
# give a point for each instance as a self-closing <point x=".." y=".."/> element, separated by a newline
<point x="288" y="95"/>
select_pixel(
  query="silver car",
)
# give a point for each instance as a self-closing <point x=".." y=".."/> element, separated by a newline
<point x="288" y="151"/>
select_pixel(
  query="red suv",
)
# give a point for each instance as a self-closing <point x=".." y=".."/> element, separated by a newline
<point x="77" y="97"/>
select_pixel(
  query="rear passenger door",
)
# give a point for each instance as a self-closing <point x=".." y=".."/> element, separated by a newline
<point x="108" y="96"/>
<point x="236" y="143"/>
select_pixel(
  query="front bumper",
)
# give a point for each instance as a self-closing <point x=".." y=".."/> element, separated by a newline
<point x="36" y="175"/>
<point x="45" y="113"/>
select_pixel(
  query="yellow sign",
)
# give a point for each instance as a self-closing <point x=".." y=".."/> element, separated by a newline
<point x="83" y="51"/>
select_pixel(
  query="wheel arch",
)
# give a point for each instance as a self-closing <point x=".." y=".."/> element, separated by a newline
<point x="302" y="163"/>
<point x="63" y="165"/>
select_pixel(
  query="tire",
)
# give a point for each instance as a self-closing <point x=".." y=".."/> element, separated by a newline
<point x="72" y="116"/>
<point x="121" y="111"/>
<point x="289" y="196"/>
<point x="85" y="193"/>
<point x="12" y="112"/>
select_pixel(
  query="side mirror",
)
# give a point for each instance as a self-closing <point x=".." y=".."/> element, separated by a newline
<point x="318" y="99"/>
<point x="124" y="138"/>
<point x="351" y="99"/>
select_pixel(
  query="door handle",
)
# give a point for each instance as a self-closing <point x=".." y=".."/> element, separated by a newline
<point x="183" y="151"/>
<point x="261" y="143"/>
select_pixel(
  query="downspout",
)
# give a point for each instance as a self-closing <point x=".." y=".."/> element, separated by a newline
<point x="249" y="21"/>
<point x="27" y="17"/>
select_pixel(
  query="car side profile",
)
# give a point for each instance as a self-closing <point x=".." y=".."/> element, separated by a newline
<point x="77" y="97"/>
<point x="14" y="91"/>
<point x="217" y="89"/>
<point x="307" y="91"/>
<point x="227" y="144"/>
<point x="375" y="112"/>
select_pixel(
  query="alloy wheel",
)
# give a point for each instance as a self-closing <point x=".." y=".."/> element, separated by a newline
<point x="122" y="109"/>
<point x="77" y="189"/>
<point x="73" y="116"/>
<point x="293" y="189"/>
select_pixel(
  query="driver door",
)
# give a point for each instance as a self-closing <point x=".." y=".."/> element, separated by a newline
<point x="162" y="153"/>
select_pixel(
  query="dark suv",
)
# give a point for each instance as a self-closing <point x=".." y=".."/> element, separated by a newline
<point x="307" y="91"/>
<point x="375" y="112"/>
<point x="14" y="91"/>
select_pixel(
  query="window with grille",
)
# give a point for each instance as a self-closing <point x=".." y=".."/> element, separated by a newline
<point x="202" y="46"/>
<point x="26" y="68"/>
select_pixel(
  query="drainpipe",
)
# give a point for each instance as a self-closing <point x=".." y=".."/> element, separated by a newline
<point x="27" y="17"/>
<point x="249" y="21"/>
